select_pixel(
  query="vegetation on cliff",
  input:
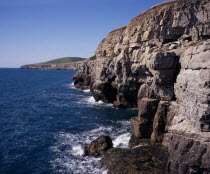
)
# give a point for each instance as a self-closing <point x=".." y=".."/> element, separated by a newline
<point x="65" y="63"/>
<point x="63" y="60"/>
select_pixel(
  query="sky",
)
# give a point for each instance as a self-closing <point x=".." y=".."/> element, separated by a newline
<point x="34" y="31"/>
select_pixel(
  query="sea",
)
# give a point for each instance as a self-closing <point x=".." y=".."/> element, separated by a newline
<point x="45" y="122"/>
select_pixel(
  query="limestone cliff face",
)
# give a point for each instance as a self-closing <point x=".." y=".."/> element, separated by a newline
<point x="160" y="63"/>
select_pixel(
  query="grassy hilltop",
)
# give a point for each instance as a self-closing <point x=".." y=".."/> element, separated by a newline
<point x="60" y="61"/>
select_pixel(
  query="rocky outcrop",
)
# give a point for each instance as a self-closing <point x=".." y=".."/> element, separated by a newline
<point x="143" y="159"/>
<point x="142" y="125"/>
<point x="189" y="148"/>
<point x="82" y="79"/>
<point x="160" y="64"/>
<point x="160" y="121"/>
<point x="98" y="146"/>
<point x="188" y="154"/>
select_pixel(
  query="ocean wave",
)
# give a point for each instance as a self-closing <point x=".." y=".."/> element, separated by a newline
<point x="86" y="90"/>
<point x="69" y="150"/>
<point x="69" y="155"/>
<point x="90" y="100"/>
<point x="122" y="140"/>
<point x="71" y="86"/>
<point x="101" y="129"/>
<point x="124" y="123"/>
<point x="77" y="150"/>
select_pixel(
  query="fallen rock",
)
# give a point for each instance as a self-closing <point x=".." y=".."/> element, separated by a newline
<point x="98" y="146"/>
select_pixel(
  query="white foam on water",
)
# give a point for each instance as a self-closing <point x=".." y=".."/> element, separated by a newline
<point x="124" y="123"/>
<point x="122" y="140"/>
<point x="92" y="101"/>
<point x="88" y="100"/>
<point x="71" y="86"/>
<point x="101" y="129"/>
<point x="86" y="90"/>
<point x="68" y="151"/>
<point x="77" y="150"/>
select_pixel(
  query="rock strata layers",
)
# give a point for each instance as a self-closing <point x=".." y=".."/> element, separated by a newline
<point x="160" y="63"/>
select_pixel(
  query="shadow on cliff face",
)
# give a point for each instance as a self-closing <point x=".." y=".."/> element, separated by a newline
<point x="104" y="92"/>
<point x="127" y="96"/>
<point x="82" y="81"/>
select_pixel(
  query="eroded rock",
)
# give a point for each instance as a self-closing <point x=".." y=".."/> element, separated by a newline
<point x="98" y="146"/>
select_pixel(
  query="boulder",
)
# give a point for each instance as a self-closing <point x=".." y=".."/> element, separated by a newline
<point x="98" y="146"/>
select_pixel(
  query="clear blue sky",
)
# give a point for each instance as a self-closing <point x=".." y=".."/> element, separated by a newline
<point x="34" y="31"/>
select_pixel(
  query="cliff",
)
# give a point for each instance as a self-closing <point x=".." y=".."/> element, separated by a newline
<point x="66" y="63"/>
<point x="160" y="64"/>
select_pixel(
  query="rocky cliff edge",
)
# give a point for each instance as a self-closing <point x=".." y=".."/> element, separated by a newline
<point x="160" y="63"/>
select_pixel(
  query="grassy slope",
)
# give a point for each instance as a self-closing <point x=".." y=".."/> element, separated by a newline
<point x="59" y="61"/>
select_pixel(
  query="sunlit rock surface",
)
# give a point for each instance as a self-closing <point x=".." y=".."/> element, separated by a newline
<point x="160" y="63"/>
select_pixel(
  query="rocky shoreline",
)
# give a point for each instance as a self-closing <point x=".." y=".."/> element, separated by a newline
<point x="160" y="64"/>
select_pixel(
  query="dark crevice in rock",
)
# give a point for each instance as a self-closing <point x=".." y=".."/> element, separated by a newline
<point x="104" y="92"/>
<point x="82" y="81"/>
<point x="204" y="37"/>
<point x="170" y="40"/>
<point x="188" y="38"/>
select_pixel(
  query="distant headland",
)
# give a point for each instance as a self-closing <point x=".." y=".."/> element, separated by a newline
<point x="64" y="63"/>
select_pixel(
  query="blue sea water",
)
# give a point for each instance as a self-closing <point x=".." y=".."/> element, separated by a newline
<point x="45" y="121"/>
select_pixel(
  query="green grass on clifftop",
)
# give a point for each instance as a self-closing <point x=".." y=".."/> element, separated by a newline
<point x="63" y="60"/>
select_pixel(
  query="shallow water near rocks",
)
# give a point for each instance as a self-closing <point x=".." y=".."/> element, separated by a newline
<point x="45" y="122"/>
